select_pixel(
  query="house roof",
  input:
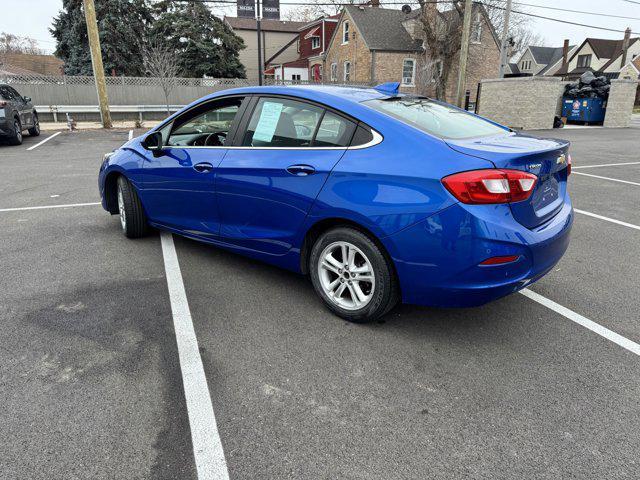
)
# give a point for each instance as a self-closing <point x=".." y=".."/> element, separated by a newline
<point x="381" y="29"/>
<point x="554" y="58"/>
<point x="602" y="48"/>
<point x="514" y="68"/>
<point x="6" y="69"/>
<point x="239" y="23"/>
<point x="545" y="55"/>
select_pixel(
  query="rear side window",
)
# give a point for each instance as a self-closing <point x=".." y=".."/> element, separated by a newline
<point x="6" y="93"/>
<point x="435" y="118"/>
<point x="334" y="131"/>
<point x="278" y="122"/>
<point x="362" y="136"/>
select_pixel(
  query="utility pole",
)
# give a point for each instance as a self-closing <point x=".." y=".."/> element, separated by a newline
<point x="504" y="44"/>
<point x="96" y="61"/>
<point x="258" y="29"/>
<point x="464" y="52"/>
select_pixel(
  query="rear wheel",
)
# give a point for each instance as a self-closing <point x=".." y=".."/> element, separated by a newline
<point x="352" y="275"/>
<point x="35" y="130"/>
<point x="132" y="218"/>
<point x="16" y="135"/>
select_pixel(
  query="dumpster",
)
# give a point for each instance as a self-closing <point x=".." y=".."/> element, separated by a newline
<point x="584" y="110"/>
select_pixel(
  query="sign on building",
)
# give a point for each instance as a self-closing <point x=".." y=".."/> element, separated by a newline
<point x="247" y="8"/>
<point x="271" y="9"/>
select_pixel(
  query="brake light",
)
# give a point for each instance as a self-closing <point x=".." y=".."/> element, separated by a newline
<point x="490" y="186"/>
<point x="568" y="164"/>
<point x="3" y="104"/>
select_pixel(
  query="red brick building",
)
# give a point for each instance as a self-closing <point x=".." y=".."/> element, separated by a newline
<point x="312" y="42"/>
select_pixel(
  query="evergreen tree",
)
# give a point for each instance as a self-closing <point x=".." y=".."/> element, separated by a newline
<point x="203" y="44"/>
<point x="122" y="26"/>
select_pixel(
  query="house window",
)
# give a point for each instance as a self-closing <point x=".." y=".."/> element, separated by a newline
<point x="526" y="65"/>
<point x="315" y="42"/>
<point x="476" y="31"/>
<point x="584" y="61"/>
<point x="334" y="72"/>
<point x="296" y="77"/>
<point x="347" y="71"/>
<point x="408" y="71"/>
<point x="345" y="32"/>
<point x="437" y="70"/>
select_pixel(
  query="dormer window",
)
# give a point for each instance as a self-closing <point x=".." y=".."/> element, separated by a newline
<point x="345" y="32"/>
<point x="315" y="42"/>
<point x="584" y="61"/>
<point x="476" y="31"/>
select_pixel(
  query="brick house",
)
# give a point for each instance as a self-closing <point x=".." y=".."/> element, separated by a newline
<point x="312" y="42"/>
<point x="376" y="45"/>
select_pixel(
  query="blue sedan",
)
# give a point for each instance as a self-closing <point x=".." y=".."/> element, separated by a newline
<point x="378" y="196"/>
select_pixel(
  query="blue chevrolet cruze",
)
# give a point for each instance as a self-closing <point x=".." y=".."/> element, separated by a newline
<point x="378" y="196"/>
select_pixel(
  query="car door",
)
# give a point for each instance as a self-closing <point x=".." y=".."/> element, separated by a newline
<point x="178" y="189"/>
<point x="22" y="107"/>
<point x="268" y="181"/>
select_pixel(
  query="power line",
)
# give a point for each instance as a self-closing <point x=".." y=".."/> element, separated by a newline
<point x="542" y="17"/>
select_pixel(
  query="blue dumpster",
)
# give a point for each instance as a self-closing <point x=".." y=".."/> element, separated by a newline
<point x="584" y="110"/>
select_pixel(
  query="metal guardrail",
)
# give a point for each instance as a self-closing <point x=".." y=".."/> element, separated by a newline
<point x="139" y="109"/>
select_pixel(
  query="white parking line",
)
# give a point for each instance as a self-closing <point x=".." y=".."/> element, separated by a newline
<point x="605" y="165"/>
<point x="607" y="178"/>
<point x="43" y="141"/>
<point x="607" y="219"/>
<point x="624" y="342"/>
<point x="42" y="207"/>
<point x="207" y="446"/>
<point x="130" y="134"/>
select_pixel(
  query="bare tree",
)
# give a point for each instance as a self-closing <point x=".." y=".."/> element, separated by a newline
<point x="160" y="62"/>
<point x="10" y="43"/>
<point x="313" y="10"/>
<point x="441" y="32"/>
<point x="520" y="30"/>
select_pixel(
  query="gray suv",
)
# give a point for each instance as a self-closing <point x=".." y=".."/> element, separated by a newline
<point x="16" y="115"/>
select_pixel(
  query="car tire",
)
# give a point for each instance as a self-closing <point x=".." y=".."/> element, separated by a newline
<point x="132" y="217"/>
<point x="16" y="136"/>
<point x="336" y="279"/>
<point x="35" y="130"/>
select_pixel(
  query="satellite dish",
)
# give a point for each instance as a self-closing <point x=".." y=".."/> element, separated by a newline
<point x="406" y="9"/>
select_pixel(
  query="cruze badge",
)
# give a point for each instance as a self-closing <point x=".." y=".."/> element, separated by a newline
<point x="561" y="159"/>
<point x="533" y="166"/>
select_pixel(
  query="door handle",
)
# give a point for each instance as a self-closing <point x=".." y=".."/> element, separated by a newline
<point x="301" y="170"/>
<point x="203" y="167"/>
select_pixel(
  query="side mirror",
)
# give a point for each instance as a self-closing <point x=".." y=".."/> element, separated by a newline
<point x="27" y="99"/>
<point x="153" y="142"/>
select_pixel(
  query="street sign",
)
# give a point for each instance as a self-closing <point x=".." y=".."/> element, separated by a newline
<point x="247" y="8"/>
<point x="271" y="9"/>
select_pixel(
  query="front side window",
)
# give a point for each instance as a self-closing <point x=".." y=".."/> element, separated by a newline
<point x="278" y="122"/>
<point x="334" y="72"/>
<point x="315" y="42"/>
<point x="345" y="32"/>
<point x="205" y="126"/>
<point x="408" y="71"/>
<point x="347" y="71"/>
<point x="435" y="118"/>
<point x="584" y="61"/>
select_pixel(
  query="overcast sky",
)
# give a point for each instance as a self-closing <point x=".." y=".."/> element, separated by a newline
<point x="33" y="18"/>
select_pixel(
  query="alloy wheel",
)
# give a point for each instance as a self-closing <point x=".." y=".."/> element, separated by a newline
<point x="346" y="275"/>
<point x="18" y="130"/>
<point x="121" y="209"/>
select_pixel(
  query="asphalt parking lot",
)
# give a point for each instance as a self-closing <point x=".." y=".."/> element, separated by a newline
<point x="91" y="382"/>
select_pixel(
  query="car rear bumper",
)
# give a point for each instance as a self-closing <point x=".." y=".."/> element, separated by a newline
<point x="437" y="260"/>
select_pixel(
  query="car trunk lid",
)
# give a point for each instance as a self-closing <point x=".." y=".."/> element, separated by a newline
<point x="546" y="158"/>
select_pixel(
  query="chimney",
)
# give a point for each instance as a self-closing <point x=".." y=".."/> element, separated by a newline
<point x="565" y="52"/>
<point x="625" y="46"/>
<point x="374" y="3"/>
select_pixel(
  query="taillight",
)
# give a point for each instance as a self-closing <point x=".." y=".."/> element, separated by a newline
<point x="568" y="164"/>
<point x="490" y="186"/>
<point x="3" y="104"/>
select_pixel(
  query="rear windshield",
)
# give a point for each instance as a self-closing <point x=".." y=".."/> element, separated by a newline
<point x="435" y="118"/>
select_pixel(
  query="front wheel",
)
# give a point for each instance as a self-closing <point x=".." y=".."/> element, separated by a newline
<point x="352" y="275"/>
<point x="132" y="217"/>
<point x="35" y="130"/>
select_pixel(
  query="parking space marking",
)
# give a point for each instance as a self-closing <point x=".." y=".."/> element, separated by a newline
<point x="607" y="219"/>
<point x="43" y="207"/>
<point x="130" y="134"/>
<point x="624" y="342"/>
<point x="207" y="446"/>
<point x="43" y="141"/>
<point x="605" y="165"/>
<point x="606" y="178"/>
